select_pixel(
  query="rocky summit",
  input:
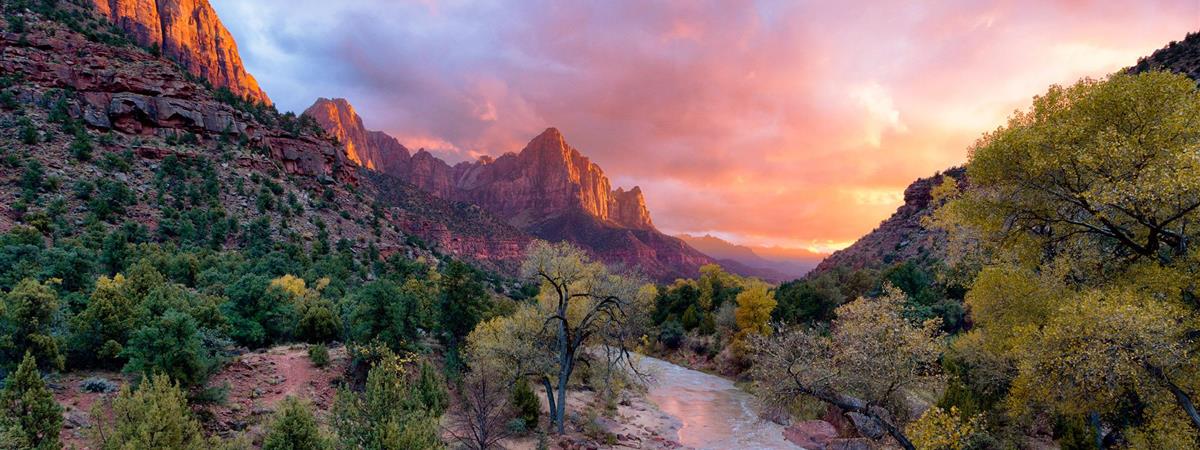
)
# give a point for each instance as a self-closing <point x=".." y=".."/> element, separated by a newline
<point x="188" y="32"/>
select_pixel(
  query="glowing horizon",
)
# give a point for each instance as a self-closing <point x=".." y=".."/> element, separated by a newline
<point x="767" y="123"/>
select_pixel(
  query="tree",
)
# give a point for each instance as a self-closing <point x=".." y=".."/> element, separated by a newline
<point x="1079" y="214"/>
<point x="754" y="306"/>
<point x="31" y="418"/>
<point x="102" y="328"/>
<point x="28" y="317"/>
<point x="479" y="420"/>
<point x="386" y="312"/>
<point x="295" y="428"/>
<point x="462" y="303"/>
<point x="809" y="300"/>
<point x="584" y="303"/>
<point x="170" y="345"/>
<point x="867" y="362"/>
<point x="155" y="415"/>
<point x="386" y="415"/>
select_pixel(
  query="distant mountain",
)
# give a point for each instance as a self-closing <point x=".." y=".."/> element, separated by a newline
<point x="189" y="33"/>
<point x="773" y="263"/>
<point x="549" y="189"/>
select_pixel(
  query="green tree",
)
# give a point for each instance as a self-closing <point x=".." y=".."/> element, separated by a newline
<point x="386" y="312"/>
<point x="29" y="313"/>
<point x="754" y="307"/>
<point x="294" y="428"/>
<point x="463" y="301"/>
<point x="170" y="345"/>
<point x="102" y="328"/>
<point x="526" y="404"/>
<point x="32" y="419"/>
<point x="1079" y="212"/>
<point x="155" y="415"/>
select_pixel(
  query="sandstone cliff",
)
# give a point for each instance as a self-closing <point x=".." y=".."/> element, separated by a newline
<point x="188" y="32"/>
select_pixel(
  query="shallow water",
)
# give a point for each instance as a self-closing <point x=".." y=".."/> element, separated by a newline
<point x="715" y="414"/>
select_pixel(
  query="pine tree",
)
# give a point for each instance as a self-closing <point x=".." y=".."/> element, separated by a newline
<point x="156" y="415"/>
<point x="32" y="419"/>
<point x="27" y="318"/>
<point x="294" y="428"/>
<point x="526" y="404"/>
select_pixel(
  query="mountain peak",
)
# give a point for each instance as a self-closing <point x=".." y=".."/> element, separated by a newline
<point x="190" y="33"/>
<point x="371" y="149"/>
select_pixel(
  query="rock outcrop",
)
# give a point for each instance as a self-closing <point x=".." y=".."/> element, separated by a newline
<point x="1178" y="56"/>
<point x="188" y="32"/>
<point x="374" y="150"/>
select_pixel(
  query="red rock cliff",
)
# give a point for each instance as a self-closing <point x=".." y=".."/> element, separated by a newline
<point x="371" y="149"/>
<point x="189" y="32"/>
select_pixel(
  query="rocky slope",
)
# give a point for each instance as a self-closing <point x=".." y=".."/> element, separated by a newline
<point x="188" y="32"/>
<point x="899" y="238"/>
<point x="1178" y="56"/>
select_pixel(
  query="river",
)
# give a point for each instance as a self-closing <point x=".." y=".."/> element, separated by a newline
<point x="715" y="414"/>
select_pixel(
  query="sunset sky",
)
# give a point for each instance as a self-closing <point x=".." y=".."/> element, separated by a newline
<point x="785" y="123"/>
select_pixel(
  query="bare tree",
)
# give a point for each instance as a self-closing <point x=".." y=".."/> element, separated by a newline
<point x="480" y="419"/>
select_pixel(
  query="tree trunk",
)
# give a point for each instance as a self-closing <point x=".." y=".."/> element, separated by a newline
<point x="550" y="401"/>
<point x="851" y="404"/>
<point x="1182" y="398"/>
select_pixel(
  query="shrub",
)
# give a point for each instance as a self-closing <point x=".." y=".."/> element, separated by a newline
<point x="671" y="334"/>
<point x="294" y="428"/>
<point x="526" y="404"/>
<point x="156" y="415"/>
<point x="319" y="355"/>
<point x="99" y="385"/>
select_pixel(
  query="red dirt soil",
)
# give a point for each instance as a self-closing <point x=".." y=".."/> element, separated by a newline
<point x="256" y="382"/>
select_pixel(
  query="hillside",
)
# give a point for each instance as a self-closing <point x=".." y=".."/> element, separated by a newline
<point x="115" y="120"/>
<point x="900" y="237"/>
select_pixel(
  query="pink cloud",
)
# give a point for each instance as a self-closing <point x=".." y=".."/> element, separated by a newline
<point x="768" y="122"/>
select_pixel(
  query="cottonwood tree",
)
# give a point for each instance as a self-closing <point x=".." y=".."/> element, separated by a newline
<point x="582" y="305"/>
<point x="869" y="359"/>
<point x="1084" y="208"/>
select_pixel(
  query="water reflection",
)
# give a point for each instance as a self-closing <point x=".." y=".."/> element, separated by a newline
<point x="715" y="413"/>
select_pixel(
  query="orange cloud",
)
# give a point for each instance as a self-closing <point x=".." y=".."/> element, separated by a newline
<point x="765" y="122"/>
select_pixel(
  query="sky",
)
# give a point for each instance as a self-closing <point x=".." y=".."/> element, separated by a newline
<point x="773" y="123"/>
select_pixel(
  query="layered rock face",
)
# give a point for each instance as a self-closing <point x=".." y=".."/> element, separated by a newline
<point x="189" y="32"/>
